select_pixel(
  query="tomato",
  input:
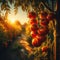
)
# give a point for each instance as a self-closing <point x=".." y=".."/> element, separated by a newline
<point x="44" y="23"/>
<point x="41" y="38"/>
<point x="42" y="31"/>
<point x="33" y="21"/>
<point x="51" y="16"/>
<point x="43" y="15"/>
<point x="32" y="15"/>
<point x="44" y="48"/>
<point x="34" y="27"/>
<point x="33" y="34"/>
<point x="35" y="42"/>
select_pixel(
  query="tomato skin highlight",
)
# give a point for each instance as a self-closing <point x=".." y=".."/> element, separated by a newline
<point x="38" y="40"/>
<point x="43" y="31"/>
<point x="44" y="48"/>
<point x="41" y="38"/>
<point x="51" y="16"/>
<point x="33" y="34"/>
<point x="34" y="42"/>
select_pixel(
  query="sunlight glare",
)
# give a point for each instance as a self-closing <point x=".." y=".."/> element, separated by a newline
<point x="11" y="18"/>
<point x="21" y="16"/>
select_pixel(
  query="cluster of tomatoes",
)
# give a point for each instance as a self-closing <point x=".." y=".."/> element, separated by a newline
<point x="39" y="34"/>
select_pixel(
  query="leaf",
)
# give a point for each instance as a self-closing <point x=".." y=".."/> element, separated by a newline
<point x="3" y="6"/>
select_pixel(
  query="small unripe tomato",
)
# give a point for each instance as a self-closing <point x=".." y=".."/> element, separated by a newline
<point x="50" y="16"/>
<point x="43" y="31"/>
<point x="33" y="34"/>
<point x="34" y="27"/>
<point x="44" y="48"/>
<point x="43" y="15"/>
<point x="32" y="15"/>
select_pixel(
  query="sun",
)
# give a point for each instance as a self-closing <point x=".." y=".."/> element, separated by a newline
<point x="21" y="16"/>
<point x="11" y="18"/>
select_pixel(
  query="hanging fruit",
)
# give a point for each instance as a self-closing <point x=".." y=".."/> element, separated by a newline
<point x="33" y="21"/>
<point x="43" y="15"/>
<point x="41" y="38"/>
<point x="32" y="15"/>
<point x="33" y="34"/>
<point x="50" y="16"/>
<point x="44" y="23"/>
<point x="34" y="27"/>
<point x="44" y="48"/>
<point x="38" y="34"/>
<point x="38" y="41"/>
<point x="43" y="31"/>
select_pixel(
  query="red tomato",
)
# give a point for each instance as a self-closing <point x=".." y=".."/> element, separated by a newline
<point x="38" y="41"/>
<point x="42" y="31"/>
<point x="51" y="16"/>
<point x="43" y="15"/>
<point x="32" y="15"/>
<point x="41" y="38"/>
<point x="44" y="23"/>
<point x="33" y="21"/>
<point x="35" y="42"/>
<point x="33" y="34"/>
<point x="34" y="27"/>
<point x="44" y="48"/>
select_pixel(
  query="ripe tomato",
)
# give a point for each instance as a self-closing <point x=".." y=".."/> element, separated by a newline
<point x="34" y="27"/>
<point x="43" y="15"/>
<point x="32" y="15"/>
<point x="51" y="16"/>
<point x="44" y="48"/>
<point x="35" y="42"/>
<point x="42" y="31"/>
<point x="33" y="34"/>
<point x="44" y="23"/>
<point x="33" y="21"/>
<point x="41" y="38"/>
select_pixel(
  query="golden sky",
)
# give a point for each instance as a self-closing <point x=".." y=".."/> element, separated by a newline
<point x="21" y="16"/>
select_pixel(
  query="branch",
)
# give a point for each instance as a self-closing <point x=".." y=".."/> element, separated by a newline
<point x="44" y="4"/>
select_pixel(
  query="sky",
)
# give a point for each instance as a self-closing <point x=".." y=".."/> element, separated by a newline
<point x="21" y="15"/>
